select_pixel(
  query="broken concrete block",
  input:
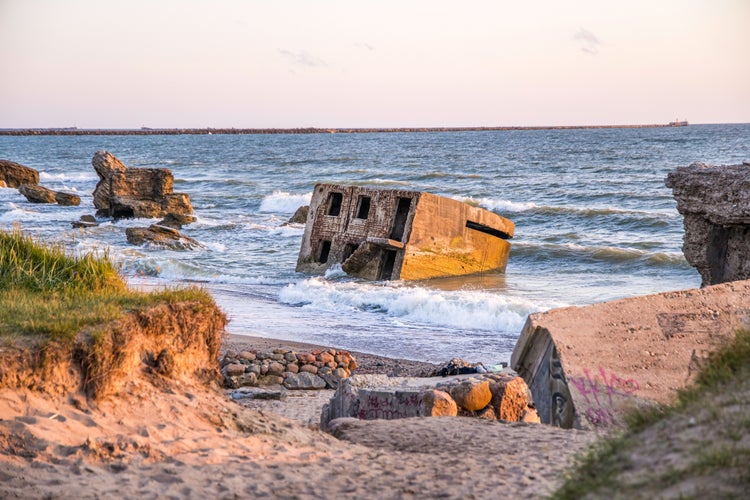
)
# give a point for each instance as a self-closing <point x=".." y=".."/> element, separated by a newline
<point x="715" y="204"/>
<point x="384" y="234"/>
<point x="586" y="365"/>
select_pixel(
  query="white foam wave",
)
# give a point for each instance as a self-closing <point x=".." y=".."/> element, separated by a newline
<point x="283" y="202"/>
<point x="80" y="176"/>
<point x="464" y="309"/>
<point x="500" y="205"/>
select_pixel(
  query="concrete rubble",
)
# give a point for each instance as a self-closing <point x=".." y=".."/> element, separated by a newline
<point x="124" y="192"/>
<point x="587" y="365"/>
<point x="715" y="204"/>
<point x="386" y="234"/>
<point x="494" y="396"/>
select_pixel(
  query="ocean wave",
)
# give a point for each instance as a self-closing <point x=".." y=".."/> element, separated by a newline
<point x="283" y="202"/>
<point x="464" y="309"/>
<point x="502" y="205"/>
<point x="574" y="251"/>
<point x="75" y="177"/>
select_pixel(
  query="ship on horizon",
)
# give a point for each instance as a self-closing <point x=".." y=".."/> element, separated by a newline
<point x="678" y="123"/>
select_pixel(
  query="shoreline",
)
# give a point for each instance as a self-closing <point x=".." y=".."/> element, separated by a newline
<point x="366" y="363"/>
<point x="300" y="130"/>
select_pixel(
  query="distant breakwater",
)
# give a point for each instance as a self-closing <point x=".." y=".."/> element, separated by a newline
<point x="308" y="130"/>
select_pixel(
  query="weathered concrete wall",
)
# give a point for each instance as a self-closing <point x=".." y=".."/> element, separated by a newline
<point x="441" y="244"/>
<point x="715" y="204"/>
<point x="502" y="396"/>
<point x="135" y="192"/>
<point x="586" y="365"/>
<point x="403" y="235"/>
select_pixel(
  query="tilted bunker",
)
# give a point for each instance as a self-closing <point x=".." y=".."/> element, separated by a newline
<point x="390" y="234"/>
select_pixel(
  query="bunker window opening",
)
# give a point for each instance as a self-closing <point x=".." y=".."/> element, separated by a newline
<point x="399" y="222"/>
<point x="325" y="249"/>
<point x="334" y="204"/>
<point x="364" y="207"/>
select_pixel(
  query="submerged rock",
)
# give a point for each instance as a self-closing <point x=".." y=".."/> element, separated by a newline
<point x="160" y="236"/>
<point x="85" y="221"/>
<point x="300" y="215"/>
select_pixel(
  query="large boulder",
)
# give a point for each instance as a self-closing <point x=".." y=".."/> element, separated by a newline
<point x="15" y="175"/>
<point x="715" y="204"/>
<point x="135" y="192"/>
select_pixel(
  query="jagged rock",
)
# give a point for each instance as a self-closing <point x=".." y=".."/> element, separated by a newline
<point x="304" y="380"/>
<point x="15" y="175"/>
<point x="161" y="236"/>
<point x="436" y="403"/>
<point x="472" y="395"/>
<point x="715" y="204"/>
<point x="300" y="215"/>
<point x="135" y="192"/>
<point x="3" y="184"/>
<point x="177" y="221"/>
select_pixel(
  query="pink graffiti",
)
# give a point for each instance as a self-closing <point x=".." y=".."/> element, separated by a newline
<point x="598" y="391"/>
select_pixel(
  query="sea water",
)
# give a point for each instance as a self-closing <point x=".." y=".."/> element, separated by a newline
<point x="593" y="218"/>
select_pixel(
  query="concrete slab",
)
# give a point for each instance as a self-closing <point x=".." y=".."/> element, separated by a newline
<point x="587" y="365"/>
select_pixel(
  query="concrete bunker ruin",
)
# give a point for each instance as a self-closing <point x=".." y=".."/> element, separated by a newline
<point x="390" y="234"/>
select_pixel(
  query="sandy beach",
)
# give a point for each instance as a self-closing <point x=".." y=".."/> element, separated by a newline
<point x="181" y="441"/>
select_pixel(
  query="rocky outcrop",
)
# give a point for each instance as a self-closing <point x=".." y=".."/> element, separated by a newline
<point x="503" y="396"/>
<point x="588" y="366"/>
<point x="15" y="175"/>
<point x="715" y="204"/>
<point x="84" y="222"/>
<point x="160" y="236"/>
<point x="300" y="215"/>
<point x="135" y="192"/>
<point x="176" y="221"/>
<point x="313" y="370"/>
<point x="39" y="194"/>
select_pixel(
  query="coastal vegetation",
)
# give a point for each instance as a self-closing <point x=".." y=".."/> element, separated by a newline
<point x="694" y="448"/>
<point x="74" y="315"/>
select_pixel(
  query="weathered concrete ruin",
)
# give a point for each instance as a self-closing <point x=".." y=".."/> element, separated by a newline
<point x="586" y="365"/>
<point x="15" y="175"/>
<point x="715" y="204"/>
<point x="384" y="234"/>
<point x="491" y="396"/>
<point x="124" y="192"/>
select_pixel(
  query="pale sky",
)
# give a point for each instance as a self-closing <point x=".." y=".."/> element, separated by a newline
<point x="357" y="63"/>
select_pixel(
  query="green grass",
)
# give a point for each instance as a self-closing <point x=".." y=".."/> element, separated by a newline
<point x="598" y="473"/>
<point x="51" y="295"/>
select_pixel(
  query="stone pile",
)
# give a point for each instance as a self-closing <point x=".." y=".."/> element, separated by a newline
<point x="495" y="396"/>
<point x="313" y="370"/>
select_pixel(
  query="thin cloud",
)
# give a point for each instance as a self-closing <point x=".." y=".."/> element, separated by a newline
<point x="588" y="42"/>
<point x="365" y="46"/>
<point x="303" y="58"/>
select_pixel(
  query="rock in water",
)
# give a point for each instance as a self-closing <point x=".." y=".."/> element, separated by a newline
<point x="300" y="216"/>
<point x="135" y="192"/>
<point x="37" y="194"/>
<point x="15" y="175"/>
<point x="160" y="236"/>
